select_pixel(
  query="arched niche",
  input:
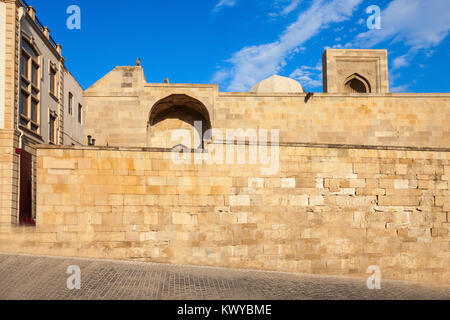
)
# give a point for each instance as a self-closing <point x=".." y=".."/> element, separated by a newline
<point x="175" y="112"/>
<point x="356" y="83"/>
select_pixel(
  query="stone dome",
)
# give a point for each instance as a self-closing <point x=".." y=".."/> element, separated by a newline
<point x="278" y="84"/>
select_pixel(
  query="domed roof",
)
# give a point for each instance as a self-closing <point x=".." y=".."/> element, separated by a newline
<point x="278" y="84"/>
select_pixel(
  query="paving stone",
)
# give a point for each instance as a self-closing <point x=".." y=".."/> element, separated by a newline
<point x="44" y="278"/>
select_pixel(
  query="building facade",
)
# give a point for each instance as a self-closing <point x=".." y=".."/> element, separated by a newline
<point x="73" y="110"/>
<point x="357" y="110"/>
<point x="34" y="103"/>
<point x="358" y="176"/>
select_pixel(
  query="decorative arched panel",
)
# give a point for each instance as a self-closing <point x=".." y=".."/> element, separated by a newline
<point x="357" y="84"/>
<point x="178" y="112"/>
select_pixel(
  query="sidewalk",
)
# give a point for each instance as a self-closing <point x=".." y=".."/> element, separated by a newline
<point x="45" y="278"/>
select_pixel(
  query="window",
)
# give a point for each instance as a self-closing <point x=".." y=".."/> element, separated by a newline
<point x="51" y="129"/>
<point x="30" y="86"/>
<point x="24" y="102"/>
<point x="53" y="82"/>
<point x="357" y="84"/>
<point x="80" y="112"/>
<point x="35" y="74"/>
<point x="24" y="65"/>
<point x="70" y="103"/>
<point x="26" y="45"/>
<point x="33" y="110"/>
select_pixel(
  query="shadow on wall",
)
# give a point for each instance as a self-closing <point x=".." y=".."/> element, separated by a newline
<point x="178" y="112"/>
<point x="356" y="83"/>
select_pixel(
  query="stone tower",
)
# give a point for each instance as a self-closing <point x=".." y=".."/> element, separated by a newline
<point x="355" y="71"/>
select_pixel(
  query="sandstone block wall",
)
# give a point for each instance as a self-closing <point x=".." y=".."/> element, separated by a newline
<point x="380" y="120"/>
<point x="9" y="173"/>
<point x="12" y="34"/>
<point x="118" y="109"/>
<point x="339" y="64"/>
<point x="327" y="211"/>
<point x="9" y="138"/>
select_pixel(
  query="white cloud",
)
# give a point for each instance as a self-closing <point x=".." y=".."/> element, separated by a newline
<point x="254" y="63"/>
<point x="290" y="7"/>
<point x="284" y="9"/>
<point x="393" y="77"/>
<point x="224" y="3"/>
<point x="400" y="62"/>
<point x="402" y="88"/>
<point x="429" y="53"/>
<point x="219" y="76"/>
<point x="309" y="77"/>
<point x="419" y="24"/>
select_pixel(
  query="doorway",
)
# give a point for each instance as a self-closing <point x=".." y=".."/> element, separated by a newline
<point x="25" y="189"/>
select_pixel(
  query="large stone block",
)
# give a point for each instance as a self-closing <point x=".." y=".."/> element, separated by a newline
<point x="54" y="163"/>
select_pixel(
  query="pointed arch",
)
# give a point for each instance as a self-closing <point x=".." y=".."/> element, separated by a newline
<point x="177" y="111"/>
<point x="356" y="83"/>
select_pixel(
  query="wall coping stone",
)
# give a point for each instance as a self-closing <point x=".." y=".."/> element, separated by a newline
<point x="281" y="144"/>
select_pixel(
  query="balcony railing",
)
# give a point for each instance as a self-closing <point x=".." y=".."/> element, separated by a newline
<point x="38" y="22"/>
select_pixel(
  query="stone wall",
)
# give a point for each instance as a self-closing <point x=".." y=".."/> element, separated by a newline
<point x="370" y="120"/>
<point x="8" y="137"/>
<point x="11" y="64"/>
<point x="339" y="64"/>
<point x="9" y="172"/>
<point x="327" y="211"/>
<point x="118" y="107"/>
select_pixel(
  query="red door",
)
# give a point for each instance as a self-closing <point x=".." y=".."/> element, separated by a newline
<point x="25" y="196"/>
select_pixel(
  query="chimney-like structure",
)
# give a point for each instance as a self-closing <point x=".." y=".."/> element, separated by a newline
<point x="349" y="71"/>
<point x="46" y="32"/>
<point x="32" y="12"/>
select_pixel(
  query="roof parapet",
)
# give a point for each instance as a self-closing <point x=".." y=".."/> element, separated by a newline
<point x="31" y="11"/>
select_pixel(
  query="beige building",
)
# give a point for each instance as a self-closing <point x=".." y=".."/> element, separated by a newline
<point x="357" y="110"/>
<point x="355" y="71"/>
<point x="361" y="175"/>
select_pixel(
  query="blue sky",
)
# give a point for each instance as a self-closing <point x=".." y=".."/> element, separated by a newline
<point x="237" y="43"/>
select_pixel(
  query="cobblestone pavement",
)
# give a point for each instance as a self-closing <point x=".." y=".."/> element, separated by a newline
<point x="45" y="278"/>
